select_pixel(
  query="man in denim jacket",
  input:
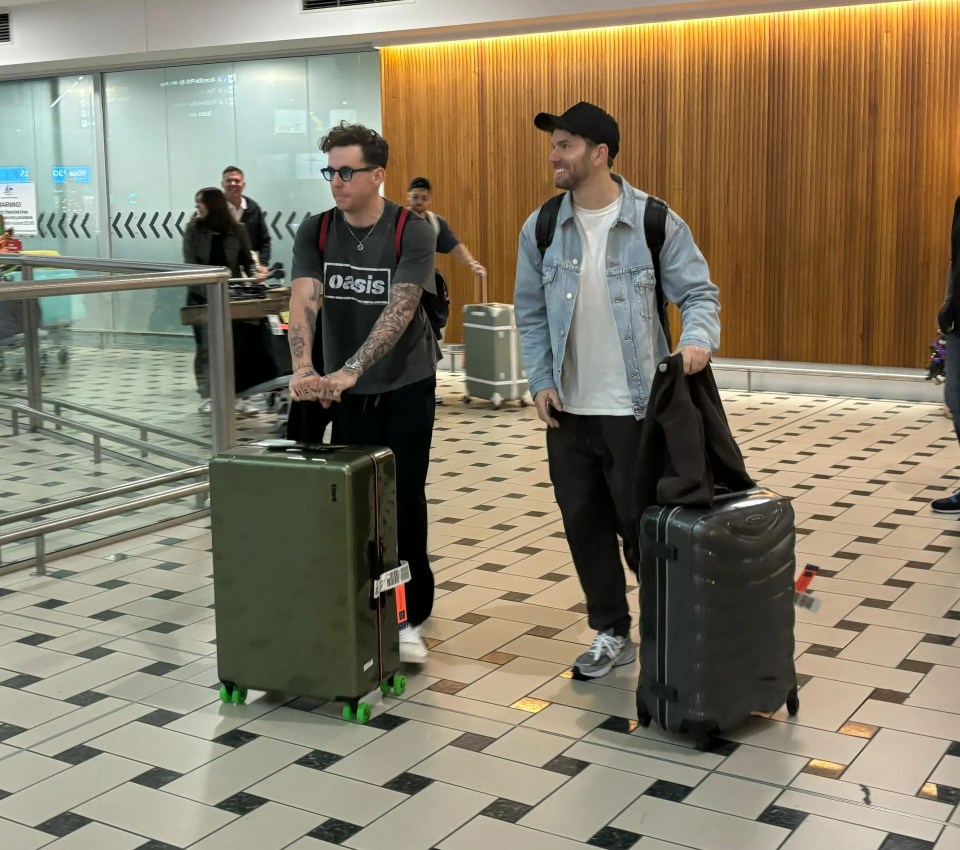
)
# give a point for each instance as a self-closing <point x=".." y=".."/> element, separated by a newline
<point x="590" y="337"/>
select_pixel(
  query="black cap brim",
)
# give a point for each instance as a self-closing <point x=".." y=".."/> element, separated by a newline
<point x="548" y="123"/>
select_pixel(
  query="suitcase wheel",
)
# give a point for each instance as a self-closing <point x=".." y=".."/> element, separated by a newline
<point x="467" y="399"/>
<point x="394" y="686"/>
<point x="702" y="735"/>
<point x="793" y="703"/>
<point x="359" y="715"/>
<point x="230" y="693"/>
<point x="643" y="716"/>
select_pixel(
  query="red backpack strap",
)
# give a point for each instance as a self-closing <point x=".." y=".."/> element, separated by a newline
<point x="324" y="230"/>
<point x="402" y="217"/>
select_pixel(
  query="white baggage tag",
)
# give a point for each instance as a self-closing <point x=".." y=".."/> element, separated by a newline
<point x="805" y="599"/>
<point x="275" y="325"/>
<point x="394" y="578"/>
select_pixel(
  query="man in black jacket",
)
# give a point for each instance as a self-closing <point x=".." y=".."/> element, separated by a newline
<point x="248" y="212"/>
<point x="949" y="321"/>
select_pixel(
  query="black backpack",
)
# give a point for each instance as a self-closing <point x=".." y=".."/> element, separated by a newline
<point x="654" y="228"/>
<point x="437" y="307"/>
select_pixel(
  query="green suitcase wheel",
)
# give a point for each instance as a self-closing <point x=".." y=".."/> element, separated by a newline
<point x="399" y="685"/>
<point x="225" y="695"/>
<point x="363" y="712"/>
<point x="239" y="696"/>
<point x="347" y="713"/>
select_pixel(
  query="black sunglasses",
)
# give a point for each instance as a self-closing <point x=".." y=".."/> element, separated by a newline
<point x="346" y="172"/>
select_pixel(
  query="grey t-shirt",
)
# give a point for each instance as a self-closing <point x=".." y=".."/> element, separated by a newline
<point x="357" y="286"/>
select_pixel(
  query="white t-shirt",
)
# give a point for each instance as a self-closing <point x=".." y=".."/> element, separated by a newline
<point x="594" y="380"/>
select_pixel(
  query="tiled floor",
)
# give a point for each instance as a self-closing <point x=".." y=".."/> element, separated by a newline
<point x="113" y="737"/>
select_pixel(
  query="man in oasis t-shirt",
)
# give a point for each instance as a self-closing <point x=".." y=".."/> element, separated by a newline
<point x="378" y="346"/>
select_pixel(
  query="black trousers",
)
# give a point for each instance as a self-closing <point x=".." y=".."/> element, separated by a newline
<point x="402" y="421"/>
<point x="593" y="468"/>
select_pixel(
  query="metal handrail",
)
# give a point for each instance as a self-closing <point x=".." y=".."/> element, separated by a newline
<point x="133" y="275"/>
<point x="97" y="433"/>
<point x="90" y="498"/>
<point x="39" y="531"/>
<point x="144" y="429"/>
<point x="818" y="373"/>
<point x="59" y="404"/>
<point x="126" y="283"/>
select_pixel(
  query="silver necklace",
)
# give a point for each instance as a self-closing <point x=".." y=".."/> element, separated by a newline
<point x="369" y="232"/>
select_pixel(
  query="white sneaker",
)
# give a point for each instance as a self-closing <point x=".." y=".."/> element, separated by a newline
<point x="245" y="407"/>
<point x="204" y="406"/>
<point x="412" y="648"/>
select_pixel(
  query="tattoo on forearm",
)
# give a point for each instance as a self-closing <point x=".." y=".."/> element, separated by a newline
<point x="302" y="329"/>
<point x="392" y="322"/>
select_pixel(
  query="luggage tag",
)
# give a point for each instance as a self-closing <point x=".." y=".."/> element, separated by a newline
<point x="275" y="325"/>
<point x="393" y="579"/>
<point x="803" y="596"/>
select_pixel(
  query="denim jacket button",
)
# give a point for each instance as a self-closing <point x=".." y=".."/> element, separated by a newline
<point x="576" y="262"/>
<point x="569" y="296"/>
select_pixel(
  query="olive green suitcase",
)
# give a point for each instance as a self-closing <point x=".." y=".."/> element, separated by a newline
<point x="304" y="566"/>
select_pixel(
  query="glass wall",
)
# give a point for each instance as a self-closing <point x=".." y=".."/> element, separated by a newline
<point x="171" y="131"/>
<point x="167" y="133"/>
<point x="48" y="144"/>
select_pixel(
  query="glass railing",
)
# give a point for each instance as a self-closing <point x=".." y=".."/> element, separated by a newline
<point x="102" y="435"/>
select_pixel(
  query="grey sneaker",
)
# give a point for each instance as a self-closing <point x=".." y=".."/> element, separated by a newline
<point x="606" y="652"/>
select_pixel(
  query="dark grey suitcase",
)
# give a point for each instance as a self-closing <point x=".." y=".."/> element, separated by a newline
<point x="717" y="615"/>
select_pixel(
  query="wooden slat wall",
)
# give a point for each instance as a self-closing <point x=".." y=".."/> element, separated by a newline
<point x="815" y="155"/>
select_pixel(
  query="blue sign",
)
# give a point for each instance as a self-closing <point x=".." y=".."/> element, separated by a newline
<point x="14" y="174"/>
<point x="71" y="173"/>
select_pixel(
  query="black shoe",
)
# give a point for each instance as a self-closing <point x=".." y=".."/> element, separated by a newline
<point x="438" y="400"/>
<point x="947" y="505"/>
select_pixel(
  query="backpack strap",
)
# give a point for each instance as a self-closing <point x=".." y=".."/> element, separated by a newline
<point x="325" y="218"/>
<point x="655" y="231"/>
<point x="402" y="215"/>
<point x="547" y="223"/>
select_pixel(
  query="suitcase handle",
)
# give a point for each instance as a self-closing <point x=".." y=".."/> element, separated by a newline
<point x="315" y="448"/>
<point x="482" y="280"/>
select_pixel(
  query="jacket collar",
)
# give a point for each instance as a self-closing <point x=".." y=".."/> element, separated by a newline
<point x="628" y="205"/>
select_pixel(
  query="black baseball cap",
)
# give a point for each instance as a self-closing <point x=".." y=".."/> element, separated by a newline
<point x="585" y="120"/>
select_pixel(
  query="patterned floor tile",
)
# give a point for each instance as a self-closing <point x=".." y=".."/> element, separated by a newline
<point x="879" y="658"/>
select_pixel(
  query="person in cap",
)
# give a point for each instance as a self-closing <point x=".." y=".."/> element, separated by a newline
<point x="590" y="338"/>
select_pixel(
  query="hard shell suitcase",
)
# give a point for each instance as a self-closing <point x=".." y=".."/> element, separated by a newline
<point x="304" y="561"/>
<point x="494" y="370"/>
<point x="717" y="615"/>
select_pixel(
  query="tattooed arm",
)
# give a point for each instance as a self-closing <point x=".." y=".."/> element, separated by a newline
<point x="384" y="335"/>
<point x="306" y="298"/>
<point x="390" y="325"/>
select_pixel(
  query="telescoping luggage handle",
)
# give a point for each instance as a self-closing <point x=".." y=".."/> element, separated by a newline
<point x="480" y="288"/>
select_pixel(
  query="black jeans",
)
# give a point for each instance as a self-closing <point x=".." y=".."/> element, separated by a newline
<point x="593" y="469"/>
<point x="402" y="421"/>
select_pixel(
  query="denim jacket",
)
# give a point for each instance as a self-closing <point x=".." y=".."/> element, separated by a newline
<point x="545" y="294"/>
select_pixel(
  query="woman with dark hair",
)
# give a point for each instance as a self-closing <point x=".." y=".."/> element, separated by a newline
<point x="215" y="238"/>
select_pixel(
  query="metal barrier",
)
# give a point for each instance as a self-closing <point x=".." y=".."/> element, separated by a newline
<point x="117" y="276"/>
<point x="845" y="374"/>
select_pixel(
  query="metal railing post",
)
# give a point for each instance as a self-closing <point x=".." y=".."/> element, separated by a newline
<point x="221" y="366"/>
<point x="31" y="351"/>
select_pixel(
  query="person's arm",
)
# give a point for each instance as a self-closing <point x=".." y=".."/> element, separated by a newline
<point x="245" y="261"/>
<point x="190" y="245"/>
<point x="306" y="299"/>
<point x="686" y="282"/>
<point x="462" y="253"/>
<point x="530" y="311"/>
<point x="263" y="238"/>
<point x="414" y="274"/>
<point x="447" y="243"/>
